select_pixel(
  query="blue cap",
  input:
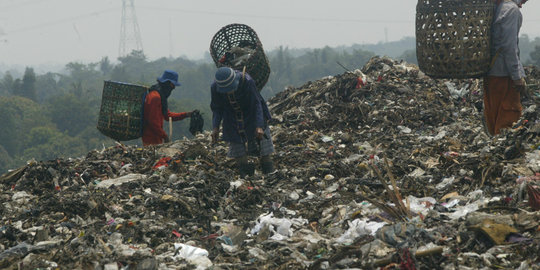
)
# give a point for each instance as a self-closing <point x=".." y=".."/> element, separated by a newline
<point x="226" y="80"/>
<point x="169" y="75"/>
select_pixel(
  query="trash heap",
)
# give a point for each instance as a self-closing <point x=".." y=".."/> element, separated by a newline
<point x="376" y="167"/>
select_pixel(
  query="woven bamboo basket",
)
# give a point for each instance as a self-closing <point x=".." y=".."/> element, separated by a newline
<point x="231" y="39"/>
<point x="120" y="116"/>
<point x="453" y="37"/>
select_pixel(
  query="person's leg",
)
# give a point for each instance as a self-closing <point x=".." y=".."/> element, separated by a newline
<point x="502" y="104"/>
<point x="238" y="152"/>
<point x="267" y="165"/>
<point x="245" y="168"/>
<point x="267" y="148"/>
<point x="490" y="104"/>
<point x="510" y="107"/>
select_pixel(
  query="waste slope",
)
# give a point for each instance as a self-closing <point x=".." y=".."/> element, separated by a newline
<point x="375" y="166"/>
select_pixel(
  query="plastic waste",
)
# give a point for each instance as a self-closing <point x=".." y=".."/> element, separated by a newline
<point x="193" y="255"/>
<point x="121" y="180"/>
<point x="280" y="228"/>
<point x="421" y="205"/>
<point x="357" y="228"/>
<point x="445" y="182"/>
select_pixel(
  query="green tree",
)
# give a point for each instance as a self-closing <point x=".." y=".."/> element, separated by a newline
<point x="19" y="115"/>
<point x="70" y="113"/>
<point x="28" y="87"/>
<point x="6" y="84"/>
<point x="5" y="161"/>
<point x="48" y="143"/>
<point x="281" y="74"/>
<point x="9" y="130"/>
<point x="105" y="65"/>
<point x="132" y="68"/>
<point x="85" y="81"/>
<point x="47" y="86"/>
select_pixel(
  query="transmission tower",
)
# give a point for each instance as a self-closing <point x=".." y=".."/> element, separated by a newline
<point x="130" y="36"/>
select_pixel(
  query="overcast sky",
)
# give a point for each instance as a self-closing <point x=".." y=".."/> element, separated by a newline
<point x="34" y="32"/>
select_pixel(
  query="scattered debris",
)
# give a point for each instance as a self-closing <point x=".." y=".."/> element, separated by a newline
<point x="393" y="172"/>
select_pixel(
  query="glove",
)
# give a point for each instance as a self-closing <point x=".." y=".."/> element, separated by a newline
<point x="166" y="140"/>
<point x="215" y="135"/>
<point x="521" y="87"/>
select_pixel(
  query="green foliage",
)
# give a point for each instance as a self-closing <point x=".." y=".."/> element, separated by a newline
<point x="70" y="113"/>
<point x="5" y="160"/>
<point x="105" y="66"/>
<point x="8" y="122"/>
<point x="50" y="144"/>
<point x="84" y="81"/>
<point x="19" y="115"/>
<point x="6" y="84"/>
<point x="48" y="86"/>
<point x="28" y="87"/>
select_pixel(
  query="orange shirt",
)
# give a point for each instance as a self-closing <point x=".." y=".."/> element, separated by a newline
<point x="153" y="132"/>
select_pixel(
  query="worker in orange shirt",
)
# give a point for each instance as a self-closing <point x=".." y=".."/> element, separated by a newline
<point x="156" y="110"/>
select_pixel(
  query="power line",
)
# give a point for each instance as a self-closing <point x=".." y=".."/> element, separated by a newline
<point x="21" y="4"/>
<point x="96" y="13"/>
<point x="60" y="21"/>
<point x="317" y="19"/>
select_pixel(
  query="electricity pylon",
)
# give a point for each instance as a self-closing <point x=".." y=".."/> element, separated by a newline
<point x="130" y="36"/>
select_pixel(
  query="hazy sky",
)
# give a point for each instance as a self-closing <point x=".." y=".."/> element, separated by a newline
<point x="34" y="32"/>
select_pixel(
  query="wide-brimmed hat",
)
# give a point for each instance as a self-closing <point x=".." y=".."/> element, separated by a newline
<point x="226" y="80"/>
<point x="169" y="75"/>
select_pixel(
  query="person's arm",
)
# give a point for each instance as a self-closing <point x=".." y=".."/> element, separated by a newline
<point x="155" y="116"/>
<point x="178" y="116"/>
<point x="509" y="48"/>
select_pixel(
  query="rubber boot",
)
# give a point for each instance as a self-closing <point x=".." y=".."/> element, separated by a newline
<point x="244" y="167"/>
<point x="267" y="166"/>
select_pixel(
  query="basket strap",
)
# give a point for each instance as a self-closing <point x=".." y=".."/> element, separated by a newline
<point x="238" y="115"/>
<point x="495" y="56"/>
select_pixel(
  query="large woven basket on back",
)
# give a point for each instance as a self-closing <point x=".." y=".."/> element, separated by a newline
<point x="453" y="37"/>
<point x="120" y="116"/>
<point x="238" y="46"/>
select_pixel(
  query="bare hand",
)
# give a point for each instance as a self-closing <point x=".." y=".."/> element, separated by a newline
<point x="259" y="133"/>
<point x="215" y="135"/>
<point x="521" y="87"/>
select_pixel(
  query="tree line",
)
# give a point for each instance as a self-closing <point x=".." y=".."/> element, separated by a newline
<point x="54" y="115"/>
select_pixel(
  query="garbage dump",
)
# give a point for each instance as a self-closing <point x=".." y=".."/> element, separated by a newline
<point x="378" y="167"/>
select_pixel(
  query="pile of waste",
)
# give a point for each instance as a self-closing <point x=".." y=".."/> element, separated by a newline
<point x="376" y="167"/>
